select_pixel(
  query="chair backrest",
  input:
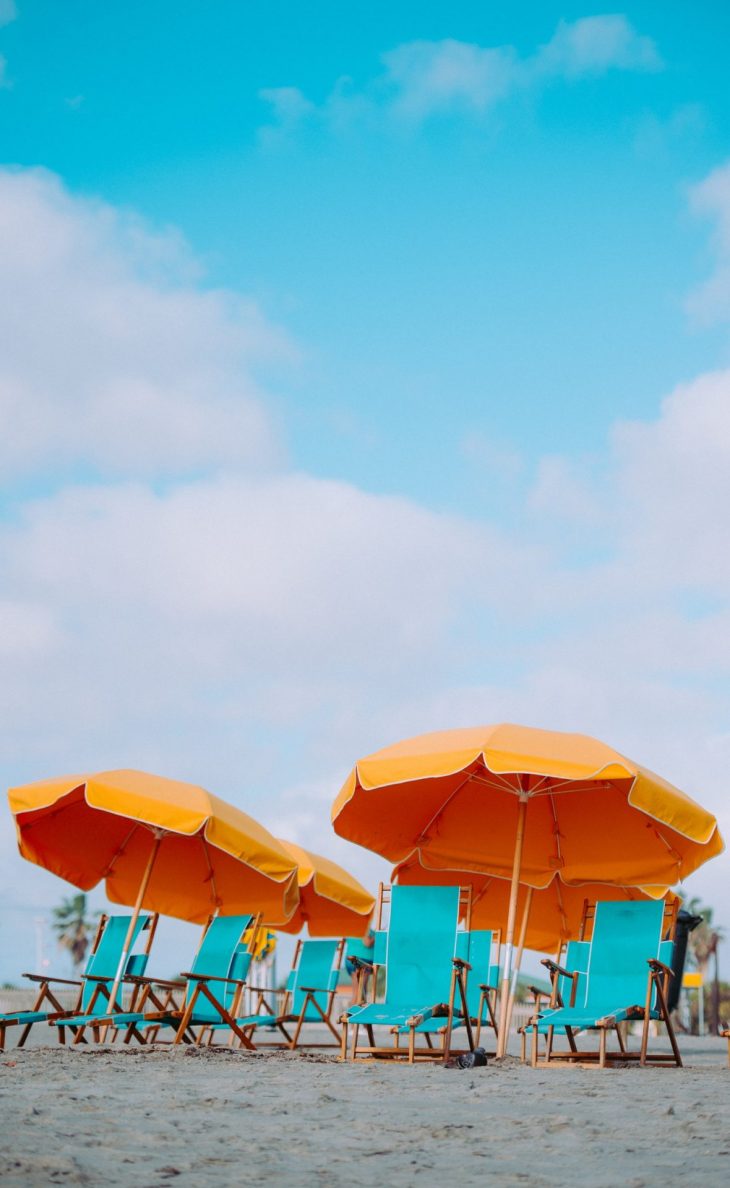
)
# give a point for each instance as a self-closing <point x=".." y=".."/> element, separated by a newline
<point x="625" y="936"/>
<point x="420" y="945"/>
<point x="576" y="958"/>
<point x="475" y="947"/>
<point x="317" y="968"/>
<point x="221" y="954"/>
<point x="104" y="961"/>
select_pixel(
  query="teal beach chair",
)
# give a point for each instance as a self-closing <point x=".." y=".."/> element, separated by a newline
<point x="309" y="995"/>
<point x="625" y="979"/>
<point x="94" y="985"/>
<point x="422" y="974"/>
<point x="478" y="951"/>
<point x="564" y="991"/>
<point x="211" y="990"/>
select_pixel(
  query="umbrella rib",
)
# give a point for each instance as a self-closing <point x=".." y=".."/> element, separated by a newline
<point x="120" y="850"/>
<point x="496" y="779"/>
<point x="561" y="906"/>
<point x="211" y="876"/>
<point x="442" y="808"/>
<point x="556" y="832"/>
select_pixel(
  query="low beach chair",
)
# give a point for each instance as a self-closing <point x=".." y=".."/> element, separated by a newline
<point x="476" y="951"/>
<point x="564" y="991"/>
<point x="309" y="995"/>
<point x="210" y="990"/>
<point x="626" y="978"/>
<point x="94" y="985"/>
<point x="423" y="975"/>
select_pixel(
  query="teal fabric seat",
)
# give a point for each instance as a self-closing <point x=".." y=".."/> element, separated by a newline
<point x="211" y="987"/>
<point x="308" y="995"/>
<point x="626" y="967"/>
<point x="417" y="950"/>
<point x="94" y="985"/>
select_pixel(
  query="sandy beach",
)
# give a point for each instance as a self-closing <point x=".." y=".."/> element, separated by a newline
<point x="211" y="1117"/>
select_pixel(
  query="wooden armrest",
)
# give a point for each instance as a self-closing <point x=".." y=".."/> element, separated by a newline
<point x="195" y="977"/>
<point x="100" y="978"/>
<point x="458" y="963"/>
<point x="265" y="990"/>
<point x="555" y="968"/>
<point x="165" y="983"/>
<point x="659" y="967"/>
<point x="314" y="990"/>
<point x="45" y="978"/>
<point x="536" y="992"/>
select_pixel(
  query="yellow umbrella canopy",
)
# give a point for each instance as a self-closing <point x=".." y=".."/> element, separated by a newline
<point x="456" y="797"/>
<point x="189" y="852"/>
<point x="524" y="804"/>
<point x="331" y="901"/>
<point x="554" y="914"/>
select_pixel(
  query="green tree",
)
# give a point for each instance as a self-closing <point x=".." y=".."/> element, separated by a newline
<point x="703" y="944"/>
<point x="73" y="925"/>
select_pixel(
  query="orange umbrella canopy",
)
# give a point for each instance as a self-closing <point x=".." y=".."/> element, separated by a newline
<point x="455" y="799"/>
<point x="331" y="901"/>
<point x="198" y="854"/>
<point x="556" y="912"/>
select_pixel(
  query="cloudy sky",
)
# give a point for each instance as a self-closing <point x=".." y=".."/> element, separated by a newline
<point x="360" y="375"/>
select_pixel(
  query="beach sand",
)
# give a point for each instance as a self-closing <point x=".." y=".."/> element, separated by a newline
<point x="197" y="1117"/>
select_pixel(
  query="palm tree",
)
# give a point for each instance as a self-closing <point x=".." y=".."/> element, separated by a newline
<point x="73" y="927"/>
<point x="703" y="944"/>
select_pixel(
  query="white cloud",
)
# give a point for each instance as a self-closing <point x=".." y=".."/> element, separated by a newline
<point x="426" y="78"/>
<point x="111" y="358"/>
<point x="258" y="630"/>
<point x="594" y="45"/>
<point x="432" y="76"/>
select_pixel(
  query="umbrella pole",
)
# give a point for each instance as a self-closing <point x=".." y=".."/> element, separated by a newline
<point x="511" y="915"/>
<point x="520" y="951"/>
<point x="132" y="926"/>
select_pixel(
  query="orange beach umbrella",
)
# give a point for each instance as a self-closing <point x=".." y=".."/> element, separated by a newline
<point x="331" y="901"/>
<point x="158" y="844"/>
<point x="524" y="804"/>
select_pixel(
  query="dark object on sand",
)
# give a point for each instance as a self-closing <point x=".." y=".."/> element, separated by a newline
<point x="686" y="922"/>
<point x="475" y="1059"/>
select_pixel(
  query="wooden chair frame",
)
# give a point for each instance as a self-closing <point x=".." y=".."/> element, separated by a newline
<point x="168" y="1010"/>
<point x="657" y="984"/>
<point x="411" y="1053"/>
<point x="285" y="1017"/>
<point x="45" y="994"/>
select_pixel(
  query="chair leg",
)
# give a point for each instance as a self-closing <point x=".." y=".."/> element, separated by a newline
<point x="23" y="1035"/>
<point x="343" y="1041"/>
<point x="602" y="1047"/>
<point x="412" y="1045"/>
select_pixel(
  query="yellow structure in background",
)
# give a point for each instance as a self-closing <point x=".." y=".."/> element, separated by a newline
<point x="692" y="980"/>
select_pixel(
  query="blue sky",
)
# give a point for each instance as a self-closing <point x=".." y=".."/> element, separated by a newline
<point x="364" y="373"/>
